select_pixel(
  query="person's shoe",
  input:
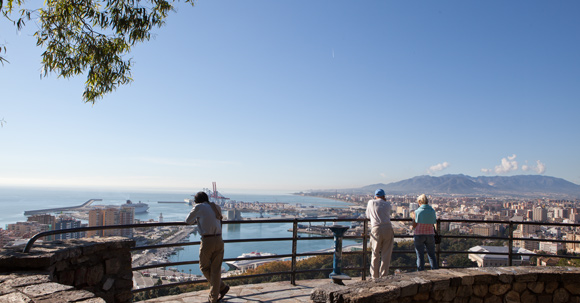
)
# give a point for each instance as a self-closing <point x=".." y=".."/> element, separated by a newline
<point x="224" y="292"/>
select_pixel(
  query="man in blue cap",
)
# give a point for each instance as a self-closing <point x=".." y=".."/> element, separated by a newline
<point x="382" y="235"/>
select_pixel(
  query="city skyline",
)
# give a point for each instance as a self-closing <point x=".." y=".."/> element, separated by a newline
<point x="274" y="96"/>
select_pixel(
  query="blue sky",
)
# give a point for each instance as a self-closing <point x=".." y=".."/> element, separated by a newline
<point x="289" y="96"/>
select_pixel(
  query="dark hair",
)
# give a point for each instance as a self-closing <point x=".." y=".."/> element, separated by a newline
<point x="201" y="197"/>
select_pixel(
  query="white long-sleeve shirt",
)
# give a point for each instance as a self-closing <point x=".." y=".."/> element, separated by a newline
<point x="203" y="215"/>
<point x="379" y="212"/>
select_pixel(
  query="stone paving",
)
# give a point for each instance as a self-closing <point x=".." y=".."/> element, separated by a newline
<point x="280" y="292"/>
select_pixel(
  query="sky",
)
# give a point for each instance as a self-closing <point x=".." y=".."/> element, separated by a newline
<point x="293" y="96"/>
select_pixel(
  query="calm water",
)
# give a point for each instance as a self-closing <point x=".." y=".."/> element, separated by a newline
<point x="15" y="201"/>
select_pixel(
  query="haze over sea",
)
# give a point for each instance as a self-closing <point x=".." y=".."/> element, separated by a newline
<point x="15" y="201"/>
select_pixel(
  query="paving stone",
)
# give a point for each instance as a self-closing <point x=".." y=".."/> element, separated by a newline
<point x="39" y="290"/>
<point x="15" y="297"/>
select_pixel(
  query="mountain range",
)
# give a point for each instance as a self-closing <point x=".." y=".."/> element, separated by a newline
<point x="521" y="185"/>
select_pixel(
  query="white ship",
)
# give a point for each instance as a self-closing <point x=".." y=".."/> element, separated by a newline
<point x="244" y="265"/>
<point x="139" y="207"/>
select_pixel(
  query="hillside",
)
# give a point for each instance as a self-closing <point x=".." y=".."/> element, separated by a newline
<point x="522" y="185"/>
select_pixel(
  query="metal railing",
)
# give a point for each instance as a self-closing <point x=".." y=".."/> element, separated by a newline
<point x="294" y="255"/>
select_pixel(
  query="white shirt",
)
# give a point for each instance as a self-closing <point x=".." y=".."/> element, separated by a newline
<point x="203" y="215"/>
<point x="379" y="212"/>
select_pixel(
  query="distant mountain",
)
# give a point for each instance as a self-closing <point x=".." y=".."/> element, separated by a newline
<point x="522" y="185"/>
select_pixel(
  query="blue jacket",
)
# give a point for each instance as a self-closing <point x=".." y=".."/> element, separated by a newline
<point x="425" y="214"/>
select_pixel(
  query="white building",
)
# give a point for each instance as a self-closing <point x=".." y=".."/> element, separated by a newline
<point x="480" y="255"/>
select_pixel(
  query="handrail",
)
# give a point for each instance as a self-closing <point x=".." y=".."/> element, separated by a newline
<point x="294" y="255"/>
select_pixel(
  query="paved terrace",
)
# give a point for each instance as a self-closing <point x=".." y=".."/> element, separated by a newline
<point x="280" y="292"/>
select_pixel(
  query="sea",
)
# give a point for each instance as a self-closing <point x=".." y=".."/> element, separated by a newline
<point x="15" y="201"/>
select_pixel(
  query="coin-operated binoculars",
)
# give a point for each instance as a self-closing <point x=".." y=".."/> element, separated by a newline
<point x="337" y="276"/>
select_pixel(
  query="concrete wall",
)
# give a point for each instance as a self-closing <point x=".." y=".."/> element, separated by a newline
<point x="468" y="285"/>
<point x="100" y="266"/>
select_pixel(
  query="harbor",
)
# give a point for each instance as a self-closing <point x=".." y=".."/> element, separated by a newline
<point x="84" y="206"/>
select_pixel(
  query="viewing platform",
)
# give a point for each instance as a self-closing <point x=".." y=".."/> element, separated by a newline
<point x="102" y="267"/>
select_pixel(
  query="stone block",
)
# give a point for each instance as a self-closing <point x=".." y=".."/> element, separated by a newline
<point x="573" y="288"/>
<point x="422" y="296"/>
<point x="465" y="276"/>
<point x="80" y="276"/>
<point x="464" y="291"/>
<point x="492" y="299"/>
<point x="561" y="295"/>
<point x="551" y="287"/>
<point x="536" y="287"/>
<point x="27" y="280"/>
<point x="66" y="277"/>
<point x="39" y="290"/>
<point x="437" y="295"/>
<point x="475" y="300"/>
<point x="93" y="300"/>
<point x="485" y="278"/>
<point x="571" y="277"/>
<point x="424" y="285"/>
<point x="441" y="284"/>
<point x="108" y="284"/>
<point x="320" y="294"/>
<point x="6" y="290"/>
<point x="112" y="266"/>
<point x="409" y="289"/>
<point x="512" y="297"/>
<point x="505" y="275"/>
<point x="61" y="265"/>
<point x="461" y="300"/>
<point x="480" y="290"/>
<point x="449" y="294"/>
<point x="527" y="277"/>
<point x="545" y="298"/>
<point x="95" y="274"/>
<point x="499" y="289"/>
<point x="65" y="296"/>
<point x="15" y="297"/>
<point x="529" y="297"/>
<point x="519" y="286"/>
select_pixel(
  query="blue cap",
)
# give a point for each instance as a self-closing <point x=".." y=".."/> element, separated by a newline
<point x="380" y="193"/>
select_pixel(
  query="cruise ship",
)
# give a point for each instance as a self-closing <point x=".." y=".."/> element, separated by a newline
<point x="139" y="207"/>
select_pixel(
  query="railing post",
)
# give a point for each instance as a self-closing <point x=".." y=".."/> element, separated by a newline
<point x="364" y="256"/>
<point x="439" y="245"/>
<point x="510" y="244"/>
<point x="294" y="245"/>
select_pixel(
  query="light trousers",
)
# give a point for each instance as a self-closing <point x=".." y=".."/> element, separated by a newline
<point x="211" y="256"/>
<point x="382" y="241"/>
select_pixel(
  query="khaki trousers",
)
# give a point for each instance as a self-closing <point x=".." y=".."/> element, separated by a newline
<point x="211" y="255"/>
<point x="382" y="241"/>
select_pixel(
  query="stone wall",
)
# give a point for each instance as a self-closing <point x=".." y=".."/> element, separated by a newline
<point x="101" y="266"/>
<point x="527" y="284"/>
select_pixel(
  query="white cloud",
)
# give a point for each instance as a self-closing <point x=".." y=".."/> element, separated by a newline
<point x="383" y="175"/>
<point x="507" y="165"/>
<point x="510" y="164"/>
<point x="540" y="168"/>
<point x="438" y="167"/>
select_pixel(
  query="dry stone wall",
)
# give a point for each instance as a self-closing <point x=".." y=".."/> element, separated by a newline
<point x="525" y="284"/>
<point x="80" y="270"/>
